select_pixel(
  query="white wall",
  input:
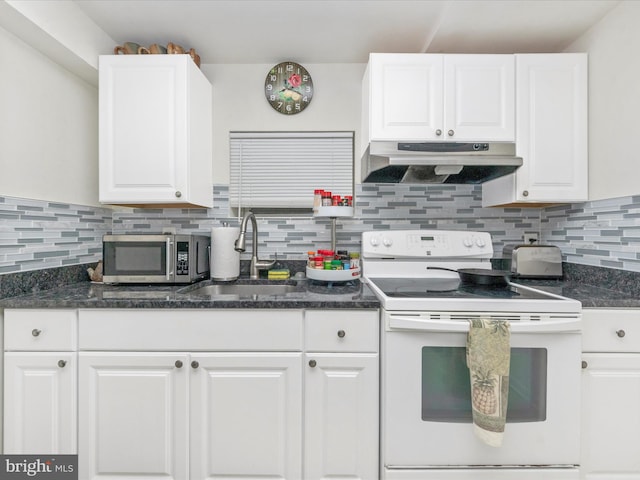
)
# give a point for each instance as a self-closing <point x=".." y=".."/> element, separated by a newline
<point x="613" y="46"/>
<point x="239" y="104"/>
<point x="48" y="128"/>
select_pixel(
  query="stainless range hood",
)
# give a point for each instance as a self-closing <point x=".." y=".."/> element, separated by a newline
<point x="445" y="162"/>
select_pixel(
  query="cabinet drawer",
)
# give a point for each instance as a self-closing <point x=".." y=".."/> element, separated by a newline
<point x="40" y="330"/>
<point x="190" y="330"/>
<point x="341" y="330"/>
<point x="610" y="330"/>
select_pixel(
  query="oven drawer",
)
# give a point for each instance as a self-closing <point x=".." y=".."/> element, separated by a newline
<point x="341" y="330"/>
<point x="611" y="330"/>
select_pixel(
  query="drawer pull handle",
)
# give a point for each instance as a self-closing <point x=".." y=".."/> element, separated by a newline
<point x="62" y="363"/>
<point x="312" y="363"/>
<point x="194" y="364"/>
<point x="35" y="332"/>
<point x="178" y="363"/>
<point x="584" y="364"/>
<point x="620" y="333"/>
<point x="341" y="333"/>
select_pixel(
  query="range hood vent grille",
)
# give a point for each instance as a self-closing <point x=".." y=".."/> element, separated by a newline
<point x="446" y="162"/>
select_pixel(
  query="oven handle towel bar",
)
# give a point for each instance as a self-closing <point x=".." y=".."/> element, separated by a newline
<point x="417" y="323"/>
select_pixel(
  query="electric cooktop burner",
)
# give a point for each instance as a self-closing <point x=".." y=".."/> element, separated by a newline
<point x="451" y="288"/>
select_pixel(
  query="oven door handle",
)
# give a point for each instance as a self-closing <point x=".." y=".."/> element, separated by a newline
<point x="398" y="322"/>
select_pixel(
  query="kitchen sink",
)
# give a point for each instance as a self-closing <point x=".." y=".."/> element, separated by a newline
<point x="247" y="290"/>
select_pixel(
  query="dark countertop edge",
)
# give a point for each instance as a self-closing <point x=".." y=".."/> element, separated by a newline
<point x="227" y="304"/>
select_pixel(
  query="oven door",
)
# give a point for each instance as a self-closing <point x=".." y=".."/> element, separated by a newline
<point x="426" y="394"/>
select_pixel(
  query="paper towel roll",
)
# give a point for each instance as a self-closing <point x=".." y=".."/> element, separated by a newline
<point x="225" y="261"/>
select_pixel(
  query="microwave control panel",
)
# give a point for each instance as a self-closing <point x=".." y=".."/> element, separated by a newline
<point x="182" y="258"/>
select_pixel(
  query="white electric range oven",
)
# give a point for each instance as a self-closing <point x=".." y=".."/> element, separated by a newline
<point x="426" y="425"/>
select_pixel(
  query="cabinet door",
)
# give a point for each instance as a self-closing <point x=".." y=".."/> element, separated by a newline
<point x="246" y="416"/>
<point x="610" y="416"/>
<point x="155" y="119"/>
<point x="341" y="416"/>
<point x="133" y="415"/>
<point x="405" y="97"/>
<point x="552" y="127"/>
<point x="40" y="403"/>
<point x="479" y="97"/>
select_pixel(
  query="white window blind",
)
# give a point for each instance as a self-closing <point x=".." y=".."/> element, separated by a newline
<point x="282" y="169"/>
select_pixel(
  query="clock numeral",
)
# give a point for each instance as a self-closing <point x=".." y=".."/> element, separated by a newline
<point x="307" y="89"/>
<point x="298" y="106"/>
<point x="288" y="107"/>
<point x="279" y="69"/>
<point x="289" y="68"/>
<point x="269" y="87"/>
<point x="273" y="78"/>
<point x="280" y="104"/>
<point x="305" y="99"/>
<point x="272" y="97"/>
<point x="305" y="78"/>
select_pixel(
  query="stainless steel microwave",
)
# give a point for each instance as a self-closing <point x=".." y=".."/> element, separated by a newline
<point x="166" y="258"/>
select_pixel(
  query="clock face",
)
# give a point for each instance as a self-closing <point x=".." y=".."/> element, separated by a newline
<point x="288" y="88"/>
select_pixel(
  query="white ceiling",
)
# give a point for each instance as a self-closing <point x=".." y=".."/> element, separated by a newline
<point x="345" y="31"/>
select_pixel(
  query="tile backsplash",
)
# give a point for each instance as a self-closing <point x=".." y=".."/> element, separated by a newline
<point x="378" y="206"/>
<point x="38" y="234"/>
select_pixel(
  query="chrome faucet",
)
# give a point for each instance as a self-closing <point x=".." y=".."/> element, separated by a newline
<point x="240" y="246"/>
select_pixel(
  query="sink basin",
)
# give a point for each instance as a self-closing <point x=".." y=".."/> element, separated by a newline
<point x="243" y="290"/>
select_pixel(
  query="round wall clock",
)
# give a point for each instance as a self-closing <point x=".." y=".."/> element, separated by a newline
<point x="288" y="88"/>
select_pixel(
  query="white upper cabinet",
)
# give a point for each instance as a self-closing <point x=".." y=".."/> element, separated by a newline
<point x="551" y="135"/>
<point x="155" y="131"/>
<point x="425" y="97"/>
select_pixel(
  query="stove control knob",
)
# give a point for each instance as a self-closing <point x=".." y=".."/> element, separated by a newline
<point x="468" y="242"/>
<point x="374" y="241"/>
<point x="480" y="242"/>
<point x="387" y="242"/>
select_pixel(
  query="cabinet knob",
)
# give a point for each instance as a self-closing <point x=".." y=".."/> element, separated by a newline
<point x="525" y="193"/>
<point x="341" y="333"/>
<point x="451" y="133"/>
<point x="312" y="363"/>
<point x="35" y="332"/>
<point x="584" y="364"/>
<point x="178" y="194"/>
<point x="194" y="364"/>
<point x="438" y="132"/>
<point x="178" y="364"/>
<point x="620" y="333"/>
<point x="62" y="363"/>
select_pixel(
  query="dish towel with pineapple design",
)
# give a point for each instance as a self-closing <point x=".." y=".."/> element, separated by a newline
<point x="488" y="357"/>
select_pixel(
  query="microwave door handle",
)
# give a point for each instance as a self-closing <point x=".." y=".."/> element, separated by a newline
<point x="169" y="259"/>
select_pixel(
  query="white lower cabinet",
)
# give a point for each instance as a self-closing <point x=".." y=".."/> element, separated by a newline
<point x="133" y="415"/>
<point x="177" y="404"/>
<point x="195" y="394"/>
<point x="611" y="395"/>
<point x="341" y="395"/>
<point x="40" y="403"/>
<point x="40" y="382"/>
<point x="341" y="416"/>
<point x="246" y="415"/>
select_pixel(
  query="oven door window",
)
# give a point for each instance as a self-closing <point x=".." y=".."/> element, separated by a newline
<point x="446" y="387"/>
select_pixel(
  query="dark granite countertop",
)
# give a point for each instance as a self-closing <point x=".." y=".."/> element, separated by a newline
<point x="306" y="294"/>
<point x="594" y="287"/>
<point x="590" y="296"/>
